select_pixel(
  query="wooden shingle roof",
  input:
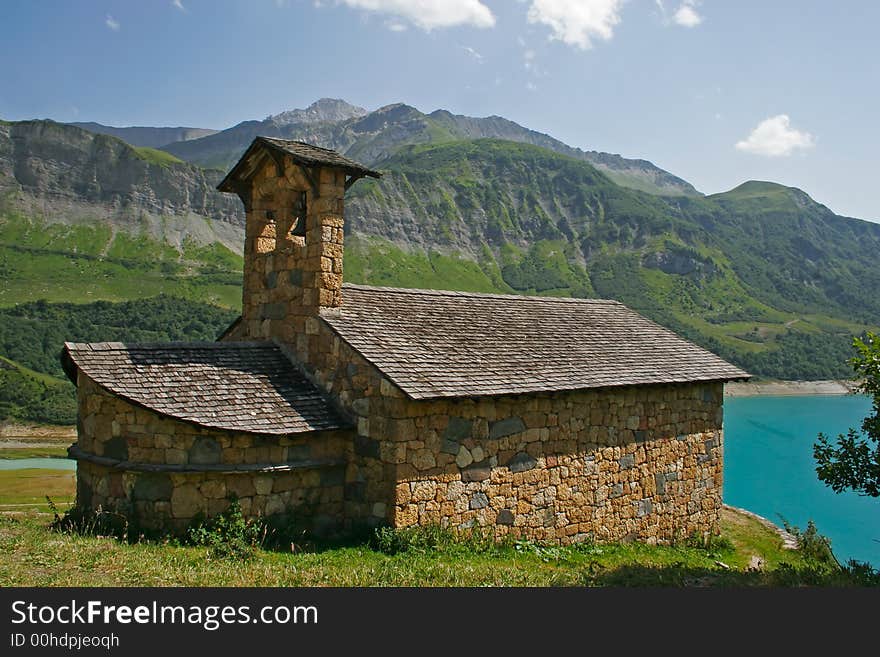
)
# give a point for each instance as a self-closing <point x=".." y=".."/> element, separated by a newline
<point x="239" y="386"/>
<point x="456" y="344"/>
<point x="300" y="152"/>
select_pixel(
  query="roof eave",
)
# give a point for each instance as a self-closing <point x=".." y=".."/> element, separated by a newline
<point x="427" y="396"/>
<point x="228" y="183"/>
<point x="68" y="364"/>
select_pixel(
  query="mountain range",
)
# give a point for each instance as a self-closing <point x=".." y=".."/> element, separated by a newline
<point x="762" y="274"/>
<point x="146" y="136"/>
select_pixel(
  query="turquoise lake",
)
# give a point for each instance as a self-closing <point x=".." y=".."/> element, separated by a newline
<point x="41" y="462"/>
<point x="769" y="468"/>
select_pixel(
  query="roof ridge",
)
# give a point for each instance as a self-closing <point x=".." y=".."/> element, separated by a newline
<point x="303" y="143"/>
<point x="479" y="295"/>
<point x="177" y="344"/>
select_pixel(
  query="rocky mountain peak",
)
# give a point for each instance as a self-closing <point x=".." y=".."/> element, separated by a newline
<point x="321" y="111"/>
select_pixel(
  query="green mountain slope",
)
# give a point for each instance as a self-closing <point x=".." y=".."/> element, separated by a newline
<point x="29" y="395"/>
<point x="58" y="262"/>
<point x="86" y="217"/>
<point x="145" y="136"/>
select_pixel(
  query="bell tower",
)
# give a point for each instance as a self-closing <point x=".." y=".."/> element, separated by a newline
<point x="293" y="194"/>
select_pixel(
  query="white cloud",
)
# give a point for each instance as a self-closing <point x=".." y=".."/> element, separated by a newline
<point x="178" y="4"/>
<point x="430" y="14"/>
<point x="774" y="137"/>
<point x="112" y="23"/>
<point x="531" y="64"/>
<point x="395" y="26"/>
<point x="686" y="15"/>
<point x="473" y="53"/>
<point x="577" y="22"/>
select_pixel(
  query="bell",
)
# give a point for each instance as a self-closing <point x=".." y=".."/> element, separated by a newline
<point x="299" y="213"/>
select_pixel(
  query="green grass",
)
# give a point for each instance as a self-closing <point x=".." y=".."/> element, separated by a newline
<point x="89" y="263"/>
<point x="154" y="156"/>
<point x="640" y="184"/>
<point x="379" y="262"/>
<point x="141" y="248"/>
<point x="757" y="189"/>
<point x="215" y="255"/>
<point x="46" y="379"/>
<point x="54" y="452"/>
<point x="28" y="488"/>
<point x="33" y="555"/>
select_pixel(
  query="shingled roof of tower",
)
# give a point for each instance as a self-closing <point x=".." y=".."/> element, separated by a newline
<point x="239" y="386"/>
<point x="456" y="344"/>
<point x="301" y="153"/>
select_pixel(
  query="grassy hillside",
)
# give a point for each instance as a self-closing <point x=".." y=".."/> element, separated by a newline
<point x="155" y="156"/>
<point x="749" y="554"/>
<point x="34" y="396"/>
<point x="86" y="262"/>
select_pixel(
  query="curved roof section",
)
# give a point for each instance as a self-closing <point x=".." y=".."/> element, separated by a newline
<point x="455" y="344"/>
<point x="237" y="386"/>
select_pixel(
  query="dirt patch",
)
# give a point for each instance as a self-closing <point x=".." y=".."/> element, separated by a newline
<point x="790" y="388"/>
<point x="30" y="434"/>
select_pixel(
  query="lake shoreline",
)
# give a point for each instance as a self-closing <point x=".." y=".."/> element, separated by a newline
<point x="15" y="436"/>
<point x="790" y="388"/>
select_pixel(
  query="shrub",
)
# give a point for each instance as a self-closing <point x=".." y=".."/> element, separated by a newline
<point x="229" y="535"/>
<point x="92" y="522"/>
<point x="811" y="544"/>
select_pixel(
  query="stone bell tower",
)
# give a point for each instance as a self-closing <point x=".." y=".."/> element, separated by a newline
<point x="293" y="194"/>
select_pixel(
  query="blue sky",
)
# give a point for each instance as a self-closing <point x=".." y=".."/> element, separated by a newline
<point x="715" y="91"/>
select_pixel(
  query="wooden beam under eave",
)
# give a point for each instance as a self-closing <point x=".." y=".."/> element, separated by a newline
<point x="244" y="191"/>
<point x="278" y="159"/>
<point x="351" y="181"/>
<point x="307" y="174"/>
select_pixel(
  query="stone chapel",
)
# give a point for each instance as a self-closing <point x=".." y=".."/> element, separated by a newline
<point x="348" y="406"/>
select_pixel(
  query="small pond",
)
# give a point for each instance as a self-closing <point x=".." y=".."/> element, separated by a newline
<point x="43" y="463"/>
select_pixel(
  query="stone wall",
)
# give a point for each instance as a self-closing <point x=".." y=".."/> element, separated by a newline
<point x="165" y="472"/>
<point x="642" y="463"/>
